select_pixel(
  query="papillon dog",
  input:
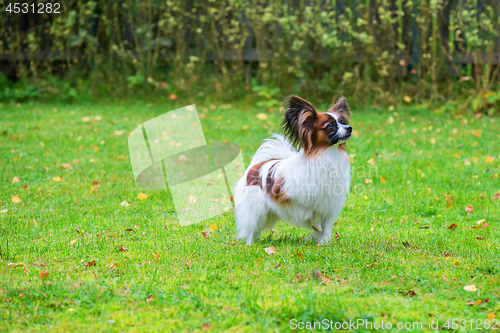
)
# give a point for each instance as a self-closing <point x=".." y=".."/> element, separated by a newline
<point x="302" y="178"/>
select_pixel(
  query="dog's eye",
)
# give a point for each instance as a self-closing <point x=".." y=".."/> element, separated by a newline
<point x="330" y="125"/>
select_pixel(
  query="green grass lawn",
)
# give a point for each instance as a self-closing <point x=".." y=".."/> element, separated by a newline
<point x="74" y="259"/>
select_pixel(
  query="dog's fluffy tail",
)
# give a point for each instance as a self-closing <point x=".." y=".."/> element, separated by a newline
<point x="276" y="147"/>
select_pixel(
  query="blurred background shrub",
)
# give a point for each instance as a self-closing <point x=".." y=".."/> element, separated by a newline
<point x="376" y="52"/>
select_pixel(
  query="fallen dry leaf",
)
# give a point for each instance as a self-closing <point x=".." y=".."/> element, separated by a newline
<point x="57" y="179"/>
<point x="73" y="241"/>
<point x="470" y="288"/>
<point x="16" y="180"/>
<point x="491" y="316"/>
<point x="425" y="226"/>
<point x="299" y="256"/>
<point x="262" y="116"/>
<point x="3" y="211"/>
<point x="480" y="221"/>
<point x="382" y="179"/>
<point x="411" y="293"/>
<point x="65" y="165"/>
<point x="95" y="182"/>
<point x="156" y="256"/>
<point x="469" y="209"/>
<point x="214" y="227"/>
<point x="496" y="196"/>
<point x="270" y="250"/>
<point x="48" y="283"/>
<point x="43" y="275"/>
<point x="124" y="204"/>
<point x="113" y="266"/>
<point x="142" y="196"/>
<point x="16" y="199"/>
<point x="205" y="234"/>
<point x="90" y="263"/>
<point x="452" y="226"/>
<point x="489" y="159"/>
<point x="122" y="249"/>
<point x="150" y="298"/>
<point x="316" y="274"/>
<point x="191" y="199"/>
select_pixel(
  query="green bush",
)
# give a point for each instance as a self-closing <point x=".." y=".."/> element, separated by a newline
<point x="388" y="52"/>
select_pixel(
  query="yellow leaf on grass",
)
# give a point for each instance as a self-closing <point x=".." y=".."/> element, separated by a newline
<point x="16" y="180"/>
<point x="480" y="221"/>
<point x="491" y="316"/>
<point x="57" y="179"/>
<point x="214" y="227"/>
<point x="382" y="179"/>
<point x="16" y="199"/>
<point x="113" y="266"/>
<point x="142" y="196"/>
<point x="191" y="199"/>
<point x="489" y="159"/>
<point x="262" y="116"/>
<point x="270" y="250"/>
<point x="365" y="197"/>
<point x="470" y="288"/>
<point x="475" y="159"/>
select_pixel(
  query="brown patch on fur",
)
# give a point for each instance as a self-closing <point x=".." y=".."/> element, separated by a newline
<point x="253" y="176"/>
<point x="342" y="147"/>
<point x="277" y="192"/>
<point x="274" y="187"/>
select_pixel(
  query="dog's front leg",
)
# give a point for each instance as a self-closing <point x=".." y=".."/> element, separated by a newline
<point x="325" y="235"/>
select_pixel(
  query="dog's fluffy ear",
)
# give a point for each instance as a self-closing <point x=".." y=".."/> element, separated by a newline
<point x="298" y="125"/>
<point x="341" y="108"/>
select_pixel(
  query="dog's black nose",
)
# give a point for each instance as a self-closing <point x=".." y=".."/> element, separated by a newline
<point x="349" y="129"/>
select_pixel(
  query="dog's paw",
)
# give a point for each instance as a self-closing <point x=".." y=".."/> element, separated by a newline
<point x="317" y="228"/>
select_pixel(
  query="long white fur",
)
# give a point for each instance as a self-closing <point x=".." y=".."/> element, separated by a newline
<point x="316" y="186"/>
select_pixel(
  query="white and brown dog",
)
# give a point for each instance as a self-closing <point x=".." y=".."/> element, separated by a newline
<point x="305" y="187"/>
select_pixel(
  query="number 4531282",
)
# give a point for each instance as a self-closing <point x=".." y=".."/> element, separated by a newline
<point x="38" y="8"/>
